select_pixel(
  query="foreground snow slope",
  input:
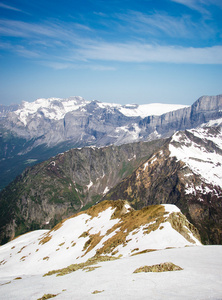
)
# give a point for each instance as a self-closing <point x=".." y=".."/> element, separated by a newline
<point x="110" y="228"/>
<point x="128" y="239"/>
<point x="201" y="278"/>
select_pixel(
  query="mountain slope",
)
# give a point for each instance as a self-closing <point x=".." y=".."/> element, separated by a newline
<point x="65" y="184"/>
<point x="109" y="229"/>
<point x="186" y="171"/>
<point x="82" y="260"/>
<point x="56" y="125"/>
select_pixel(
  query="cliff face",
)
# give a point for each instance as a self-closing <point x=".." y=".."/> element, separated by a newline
<point x="202" y="111"/>
<point x="65" y="184"/>
<point x="186" y="172"/>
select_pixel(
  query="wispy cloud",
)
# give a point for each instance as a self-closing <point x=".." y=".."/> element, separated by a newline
<point x="142" y="53"/>
<point x="23" y="29"/>
<point x="200" y="5"/>
<point x="64" y="45"/>
<point x="22" y="51"/>
<point x="152" y="23"/>
<point x="13" y="8"/>
<point x="57" y="65"/>
<point x="162" y="25"/>
<point x="2" y="5"/>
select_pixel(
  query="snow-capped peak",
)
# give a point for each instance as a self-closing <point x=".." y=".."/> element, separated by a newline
<point x="52" y="108"/>
<point x="56" y="108"/>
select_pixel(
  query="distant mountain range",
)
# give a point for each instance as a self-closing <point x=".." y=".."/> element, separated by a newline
<point x="36" y="131"/>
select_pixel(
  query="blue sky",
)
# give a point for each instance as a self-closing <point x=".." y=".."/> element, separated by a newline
<point x="126" y="51"/>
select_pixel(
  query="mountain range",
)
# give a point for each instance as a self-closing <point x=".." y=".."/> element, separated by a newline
<point x="184" y="169"/>
<point x="35" y="131"/>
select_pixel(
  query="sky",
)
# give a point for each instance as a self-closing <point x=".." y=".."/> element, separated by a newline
<point x="143" y="51"/>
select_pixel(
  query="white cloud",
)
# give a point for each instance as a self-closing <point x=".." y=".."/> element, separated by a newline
<point x="200" y="5"/>
<point x="138" y="53"/>
<point x="2" y="5"/>
<point x="158" y="22"/>
<point x="56" y="65"/>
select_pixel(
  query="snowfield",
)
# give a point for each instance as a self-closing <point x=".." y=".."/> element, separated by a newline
<point x="201" y="278"/>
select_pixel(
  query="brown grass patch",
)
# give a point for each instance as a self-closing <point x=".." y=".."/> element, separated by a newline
<point x="90" y="269"/>
<point x="5" y="283"/>
<point x="47" y="296"/>
<point x="61" y="244"/>
<point x="143" y="251"/>
<point x="118" y="205"/>
<point x="84" y="234"/>
<point x="163" y="267"/>
<point x="21" y="249"/>
<point x="45" y="239"/>
<point x="73" y="244"/>
<point x="74" y="267"/>
<point x="97" y="292"/>
<point x="129" y="222"/>
<point x="3" y="262"/>
<point x="46" y="258"/>
<point x="93" y="240"/>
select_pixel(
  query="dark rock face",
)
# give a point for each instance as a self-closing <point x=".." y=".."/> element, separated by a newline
<point x="65" y="184"/>
<point x="165" y="179"/>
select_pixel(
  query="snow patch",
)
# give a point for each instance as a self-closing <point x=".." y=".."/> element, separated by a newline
<point x="106" y="190"/>
<point x="90" y="185"/>
<point x="205" y="163"/>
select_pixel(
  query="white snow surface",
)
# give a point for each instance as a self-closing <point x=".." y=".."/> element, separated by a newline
<point x="200" y="279"/>
<point x="202" y="162"/>
<point x="145" y="110"/>
<point x="56" y="108"/>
